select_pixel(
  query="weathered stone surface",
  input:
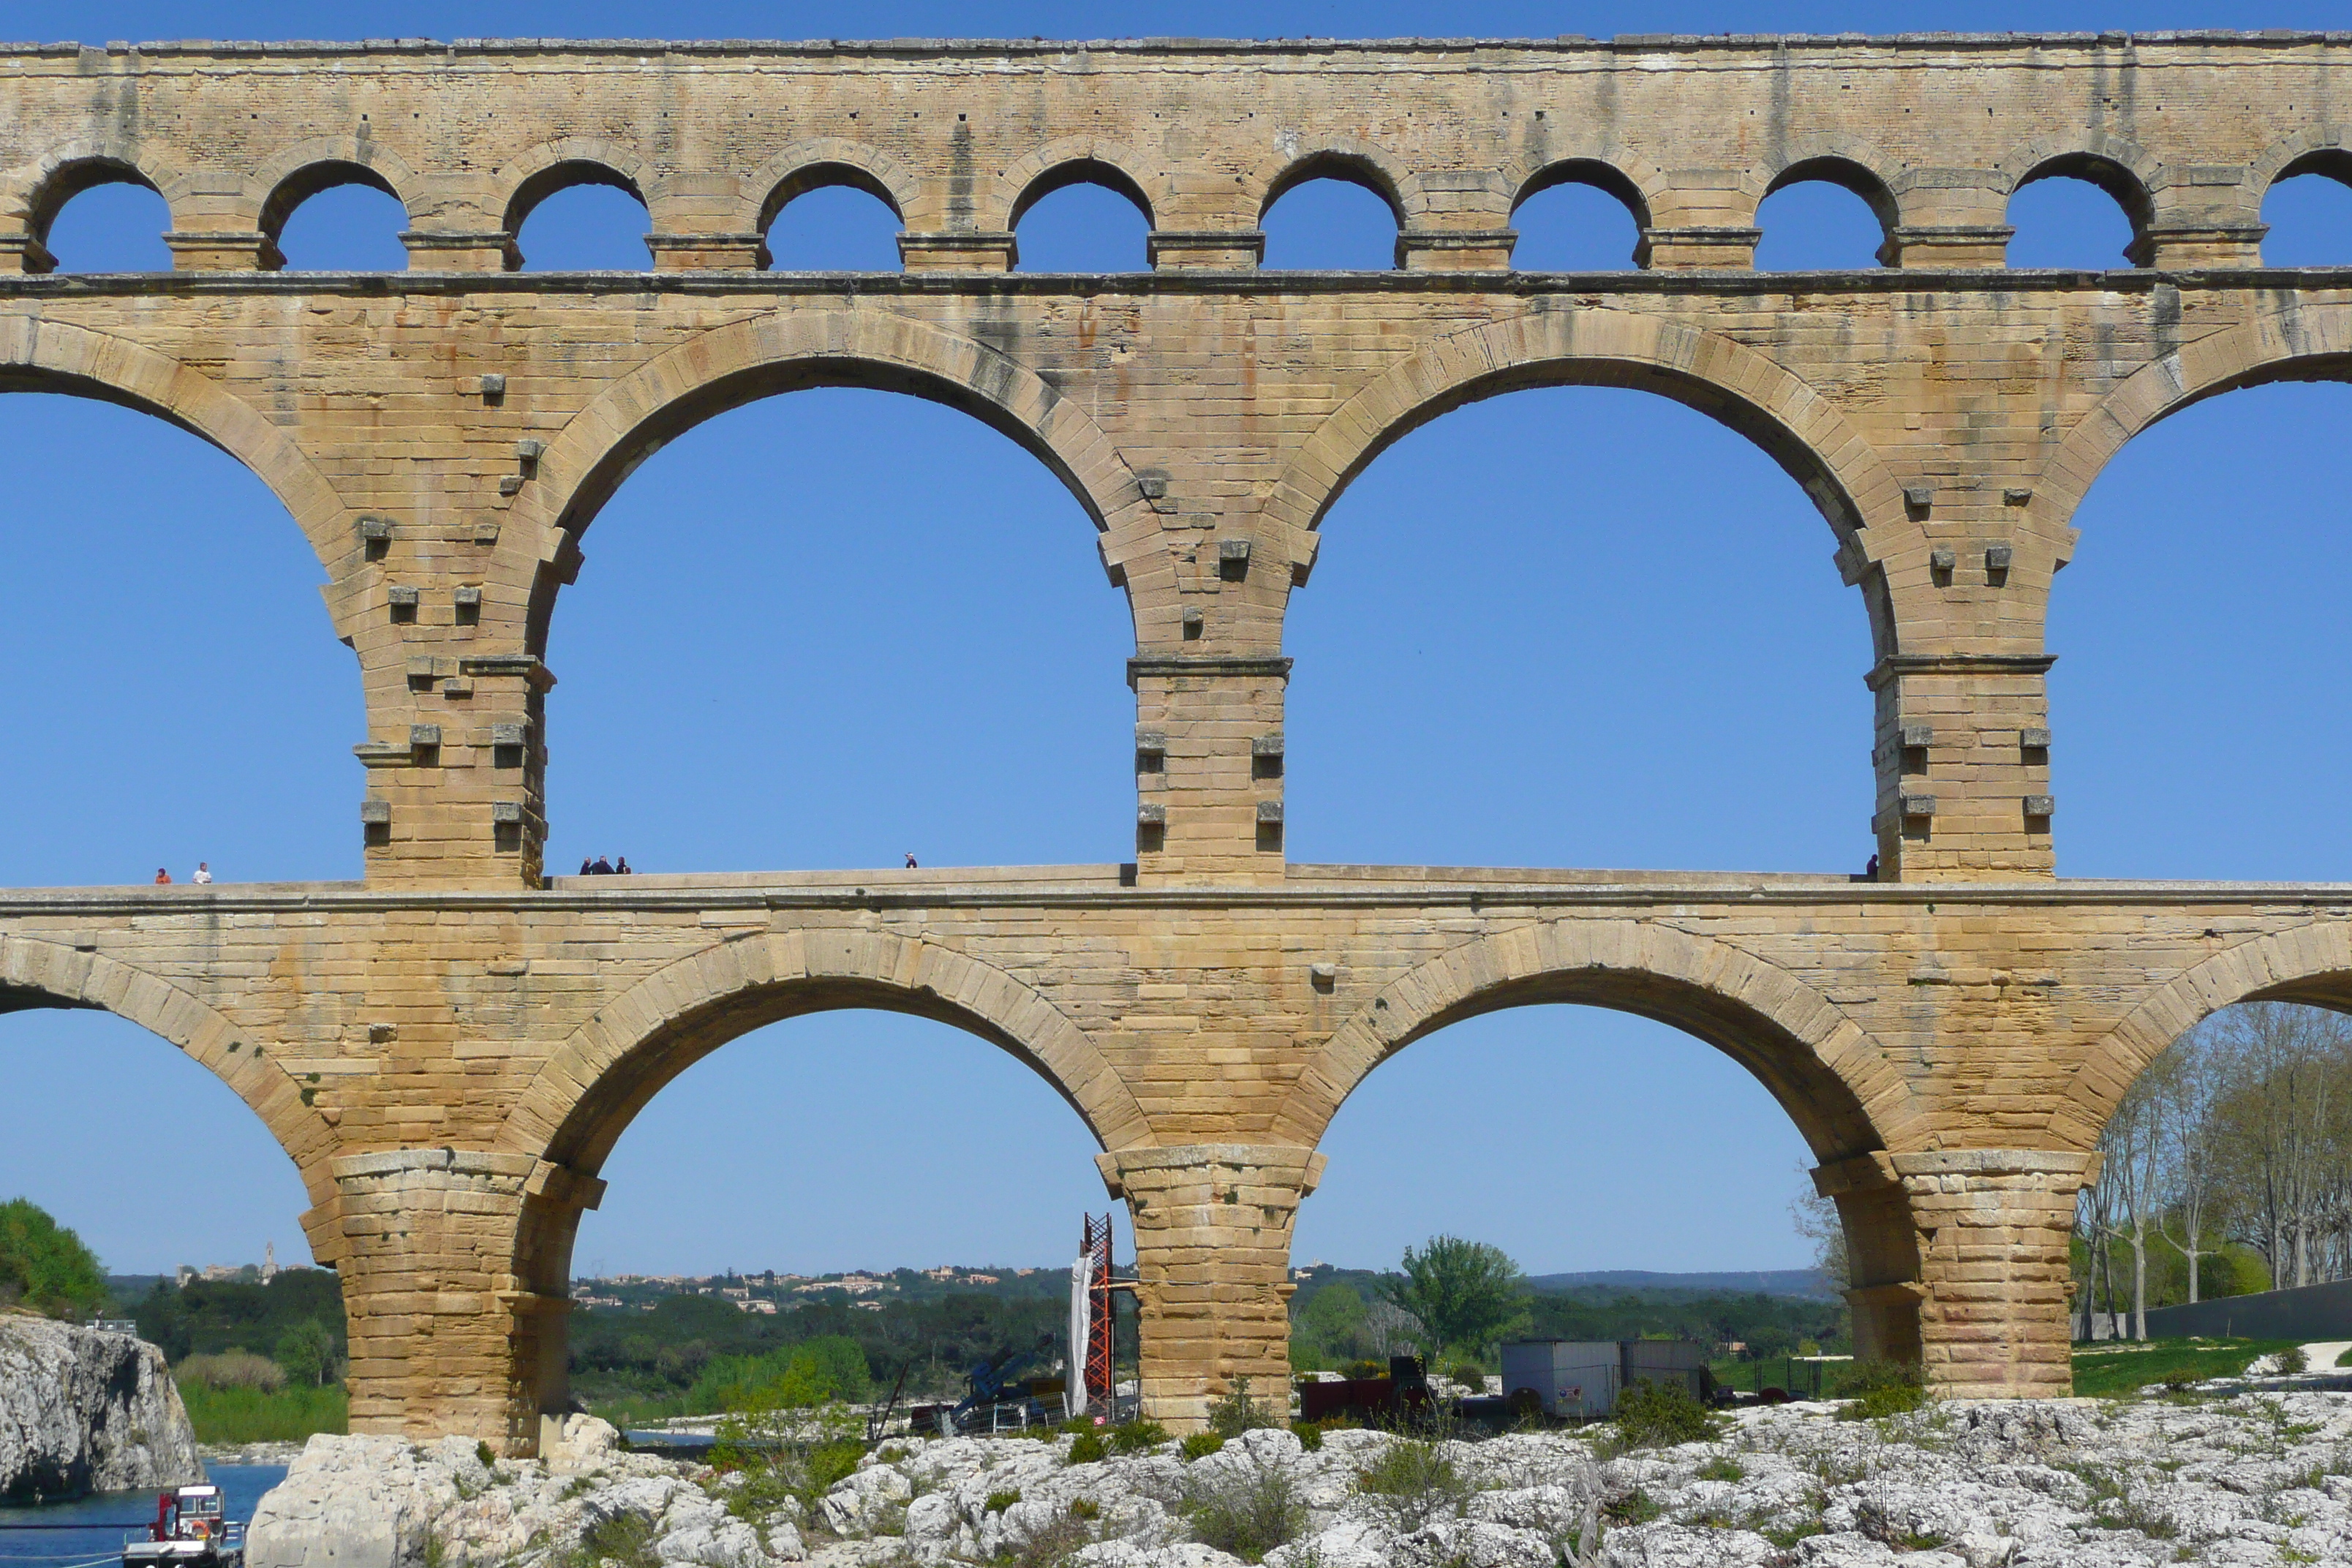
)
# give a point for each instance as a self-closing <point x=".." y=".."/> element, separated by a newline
<point x="82" y="1411"/>
<point x="2237" y="1479"/>
<point x="449" y="1052"/>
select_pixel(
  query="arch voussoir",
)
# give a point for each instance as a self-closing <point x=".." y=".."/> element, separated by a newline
<point x="690" y="1005"/>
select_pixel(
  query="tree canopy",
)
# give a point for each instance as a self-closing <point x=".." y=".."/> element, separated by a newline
<point x="1466" y="1294"/>
<point x="44" y="1266"/>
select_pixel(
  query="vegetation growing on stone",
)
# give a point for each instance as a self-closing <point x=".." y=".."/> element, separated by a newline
<point x="45" y="1266"/>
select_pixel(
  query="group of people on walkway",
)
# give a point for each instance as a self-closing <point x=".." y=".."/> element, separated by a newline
<point x="600" y="867"/>
<point x="203" y="877"/>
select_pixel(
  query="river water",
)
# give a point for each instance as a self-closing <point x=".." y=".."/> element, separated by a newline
<point x="100" y="1522"/>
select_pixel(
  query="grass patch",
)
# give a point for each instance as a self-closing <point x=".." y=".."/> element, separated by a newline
<point x="1248" y="1510"/>
<point x="1875" y="1389"/>
<point x="261" y="1415"/>
<point x="2120" y="1372"/>
<point x="1662" y="1415"/>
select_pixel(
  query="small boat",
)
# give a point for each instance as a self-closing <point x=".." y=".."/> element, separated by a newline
<point x="189" y="1531"/>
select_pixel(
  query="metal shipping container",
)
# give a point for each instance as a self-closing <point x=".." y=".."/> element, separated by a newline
<point x="1665" y="1361"/>
<point x="1576" y="1379"/>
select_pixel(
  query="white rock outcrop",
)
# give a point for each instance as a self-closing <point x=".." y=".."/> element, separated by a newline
<point x="82" y="1411"/>
<point x="2245" y="1478"/>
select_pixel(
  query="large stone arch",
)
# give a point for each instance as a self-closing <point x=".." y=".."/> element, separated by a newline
<point x="2290" y="341"/>
<point x="781" y="351"/>
<point x="1743" y="389"/>
<point x="2311" y="963"/>
<point x="595" y="1084"/>
<point x="36" y="973"/>
<point x="38" y="355"/>
<point x="1832" y="1079"/>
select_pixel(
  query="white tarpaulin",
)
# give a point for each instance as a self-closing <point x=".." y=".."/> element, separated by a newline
<point x="1082" y="1278"/>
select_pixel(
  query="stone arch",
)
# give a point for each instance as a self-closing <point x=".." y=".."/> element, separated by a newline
<point x="2311" y="963"/>
<point x="596" y="1082"/>
<point x="51" y="356"/>
<point x="2314" y="150"/>
<point x="301" y="172"/>
<point x="1633" y="186"/>
<point x="780" y="351"/>
<point x="35" y="974"/>
<point x="36" y="192"/>
<point x="822" y="161"/>
<point x="1073" y="161"/>
<point x="533" y="176"/>
<point x="1795" y="426"/>
<point x="2290" y="341"/>
<point x="1337" y="158"/>
<point x="2122" y="168"/>
<point x="1832" y="1079"/>
<point x="1849" y="169"/>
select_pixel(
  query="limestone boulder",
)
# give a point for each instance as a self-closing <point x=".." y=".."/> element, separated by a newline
<point x="82" y="1411"/>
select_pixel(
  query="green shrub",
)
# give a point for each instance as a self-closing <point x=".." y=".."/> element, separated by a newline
<point x="2292" y="1361"/>
<point x="1878" y="1388"/>
<point x="1364" y="1371"/>
<point x="253" y="1416"/>
<point x="1201" y="1445"/>
<point x="1469" y="1373"/>
<point x="1137" y="1437"/>
<point x="1087" y="1447"/>
<point x="1661" y="1415"/>
<point x="229" y="1369"/>
<point x="797" y="1377"/>
<point x="1085" y="1508"/>
<point x="44" y="1266"/>
<point x="1309" y="1434"/>
<point x="1722" y="1468"/>
<point x="999" y="1501"/>
<point x="307" y="1352"/>
<point x="1238" y="1413"/>
<point x="1245" y="1509"/>
<point x="1414" y="1482"/>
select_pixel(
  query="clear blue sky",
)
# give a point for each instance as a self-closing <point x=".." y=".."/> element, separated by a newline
<point x="1556" y="686"/>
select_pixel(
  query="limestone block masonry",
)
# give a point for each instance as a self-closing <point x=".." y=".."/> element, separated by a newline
<point x="449" y="1049"/>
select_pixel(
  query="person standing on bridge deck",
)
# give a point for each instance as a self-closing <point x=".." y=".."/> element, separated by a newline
<point x="162" y="877"/>
<point x="203" y="877"/>
<point x="603" y="868"/>
<point x="621" y="866"/>
<point x="910" y="861"/>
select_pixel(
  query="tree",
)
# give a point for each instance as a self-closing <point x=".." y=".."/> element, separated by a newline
<point x="2185" y="1081"/>
<point x="1818" y="1221"/>
<point x="44" y="1266"/>
<point x="306" y="1352"/>
<point x="2129" y="1147"/>
<point x="1468" y="1294"/>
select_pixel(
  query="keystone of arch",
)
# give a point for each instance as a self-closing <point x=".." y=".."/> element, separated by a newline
<point x="1864" y="503"/>
<point x="1053" y="427"/>
<point x="1819" y="1045"/>
<point x="936" y="981"/>
<point x="2267" y="346"/>
<point x="156" y="383"/>
<point x="2281" y="967"/>
<point x="73" y="978"/>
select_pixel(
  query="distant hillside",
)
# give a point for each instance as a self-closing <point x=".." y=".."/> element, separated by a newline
<point x="1764" y="1282"/>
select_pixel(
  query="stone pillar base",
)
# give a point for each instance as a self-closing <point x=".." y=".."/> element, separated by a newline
<point x="444" y="1336"/>
<point x="1456" y="250"/>
<point x="1212" y="1224"/>
<point x="1215" y="249"/>
<point x="1976" y="1292"/>
<point x="958" y="251"/>
<point x="207" y="250"/>
<point x="1697" y="250"/>
<point x="1947" y="246"/>
<point x="708" y="252"/>
<point x="492" y="251"/>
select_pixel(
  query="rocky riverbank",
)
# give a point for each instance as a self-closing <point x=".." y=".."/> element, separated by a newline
<point x="82" y="1411"/>
<point x="2245" y="1478"/>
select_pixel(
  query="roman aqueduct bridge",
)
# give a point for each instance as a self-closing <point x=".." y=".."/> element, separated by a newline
<point x="448" y="1048"/>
